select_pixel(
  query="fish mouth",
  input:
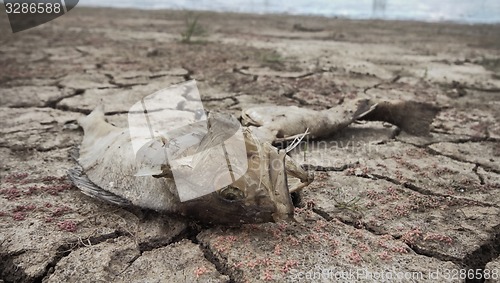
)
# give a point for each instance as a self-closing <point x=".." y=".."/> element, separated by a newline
<point x="213" y="209"/>
<point x="231" y="206"/>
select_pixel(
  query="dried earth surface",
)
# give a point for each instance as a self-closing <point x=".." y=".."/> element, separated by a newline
<point x="384" y="204"/>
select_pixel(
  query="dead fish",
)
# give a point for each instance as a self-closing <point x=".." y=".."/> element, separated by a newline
<point x="283" y="123"/>
<point x="108" y="170"/>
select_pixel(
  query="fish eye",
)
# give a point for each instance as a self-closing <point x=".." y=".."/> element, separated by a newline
<point x="231" y="193"/>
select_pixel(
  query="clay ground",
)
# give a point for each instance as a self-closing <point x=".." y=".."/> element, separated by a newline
<point x="385" y="203"/>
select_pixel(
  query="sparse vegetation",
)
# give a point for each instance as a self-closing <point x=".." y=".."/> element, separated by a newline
<point x="276" y="61"/>
<point x="193" y="28"/>
<point x="273" y="58"/>
<point x="351" y="204"/>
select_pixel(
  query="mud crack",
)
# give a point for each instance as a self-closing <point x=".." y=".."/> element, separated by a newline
<point x="472" y="262"/>
<point x="429" y="253"/>
<point x="476" y="164"/>
<point x="291" y="95"/>
<point x="391" y="81"/>
<point x="479" y="176"/>
<point x="66" y="249"/>
<point x="422" y="191"/>
<point x="211" y="257"/>
<point x="487" y="252"/>
<point x="310" y="167"/>
<point x="219" y="265"/>
<point x="486" y="167"/>
<point x="189" y="233"/>
<point x="53" y="103"/>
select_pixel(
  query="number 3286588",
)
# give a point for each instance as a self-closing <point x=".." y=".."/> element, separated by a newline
<point x="33" y="8"/>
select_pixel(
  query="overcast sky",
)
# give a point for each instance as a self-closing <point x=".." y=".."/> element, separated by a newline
<point x="474" y="11"/>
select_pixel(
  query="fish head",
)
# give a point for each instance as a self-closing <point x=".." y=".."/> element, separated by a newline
<point x="260" y="195"/>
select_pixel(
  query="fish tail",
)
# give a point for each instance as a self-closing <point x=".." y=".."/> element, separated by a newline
<point x="412" y="117"/>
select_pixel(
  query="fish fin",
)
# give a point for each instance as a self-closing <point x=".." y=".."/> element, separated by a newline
<point x="412" y="117"/>
<point x="96" y="115"/>
<point x="81" y="181"/>
<point x="95" y="124"/>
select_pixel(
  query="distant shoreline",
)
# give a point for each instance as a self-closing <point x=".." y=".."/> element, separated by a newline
<point x="461" y="13"/>
<point x="284" y="15"/>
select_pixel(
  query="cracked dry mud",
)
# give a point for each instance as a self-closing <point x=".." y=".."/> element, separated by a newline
<point x="383" y="202"/>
